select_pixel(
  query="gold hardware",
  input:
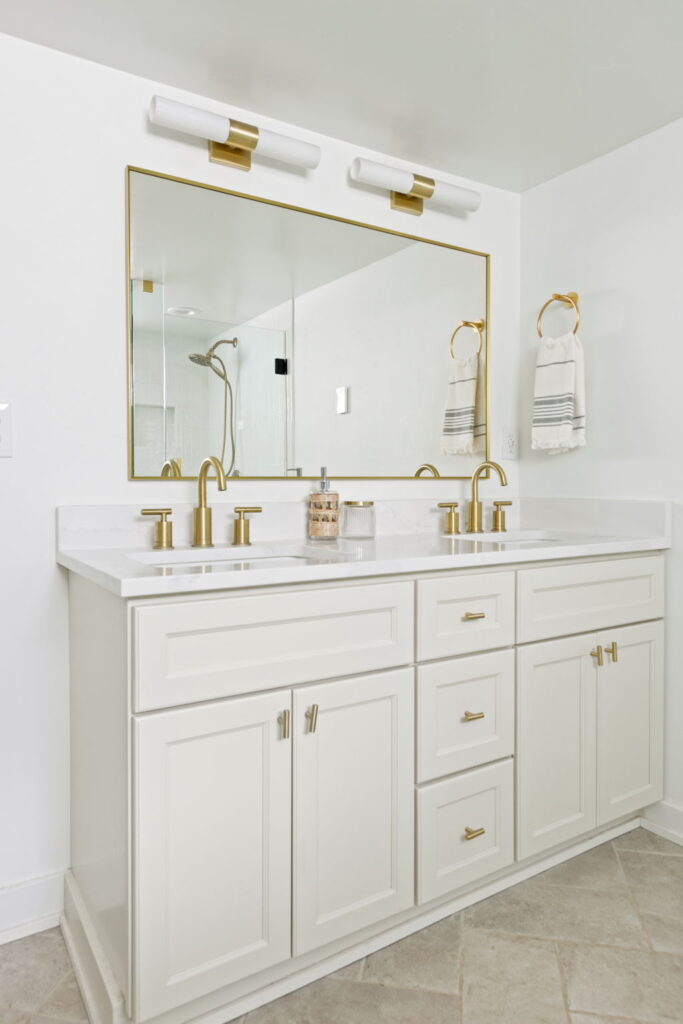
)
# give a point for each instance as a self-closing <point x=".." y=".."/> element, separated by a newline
<point x="163" y="530"/>
<point x="202" y="537"/>
<point x="611" y="649"/>
<point x="236" y="151"/>
<point x="470" y="616"/>
<point x="132" y="171"/>
<point x="148" y="286"/>
<point x="312" y="716"/>
<point x="283" y="722"/>
<point x="472" y="833"/>
<point x="474" y="518"/>
<point x="571" y="299"/>
<point x="472" y="716"/>
<point x="452" y="518"/>
<point x="413" y="201"/>
<point x="425" y="468"/>
<point x="476" y="325"/>
<point x="171" y="468"/>
<point x="597" y="653"/>
<point x="499" y="516"/>
<point x="240" y="535"/>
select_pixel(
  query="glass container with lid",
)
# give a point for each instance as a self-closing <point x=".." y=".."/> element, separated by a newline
<point x="358" y="519"/>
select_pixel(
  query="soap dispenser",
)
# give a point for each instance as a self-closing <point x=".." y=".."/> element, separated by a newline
<point x="323" y="510"/>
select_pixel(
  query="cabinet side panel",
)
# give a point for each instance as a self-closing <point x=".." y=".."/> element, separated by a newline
<point x="99" y="759"/>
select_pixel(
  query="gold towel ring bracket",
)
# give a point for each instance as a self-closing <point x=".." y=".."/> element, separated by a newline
<point x="476" y="325"/>
<point x="571" y="299"/>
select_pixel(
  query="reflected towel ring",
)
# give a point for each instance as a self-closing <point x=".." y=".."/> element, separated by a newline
<point x="570" y="299"/>
<point x="476" y="325"/>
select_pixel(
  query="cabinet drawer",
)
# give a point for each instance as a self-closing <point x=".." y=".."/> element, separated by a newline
<point x="199" y="650"/>
<point x="464" y="614"/>
<point x="449" y="856"/>
<point x="565" y="599"/>
<point x="466" y="713"/>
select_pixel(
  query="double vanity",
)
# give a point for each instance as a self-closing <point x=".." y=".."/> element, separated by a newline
<point x="285" y="759"/>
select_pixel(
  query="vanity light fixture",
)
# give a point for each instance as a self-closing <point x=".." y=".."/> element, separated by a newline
<point x="409" y="191"/>
<point x="232" y="142"/>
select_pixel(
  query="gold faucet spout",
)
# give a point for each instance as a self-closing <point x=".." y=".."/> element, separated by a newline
<point x="474" y="519"/>
<point x="202" y="514"/>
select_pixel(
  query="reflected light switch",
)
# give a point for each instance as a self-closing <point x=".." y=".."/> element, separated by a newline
<point x="5" y="430"/>
<point x="342" y="400"/>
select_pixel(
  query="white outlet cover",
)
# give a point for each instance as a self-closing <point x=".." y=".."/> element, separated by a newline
<point x="509" y="446"/>
<point x="5" y="430"/>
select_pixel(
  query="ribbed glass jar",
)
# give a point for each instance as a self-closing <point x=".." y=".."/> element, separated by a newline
<point x="358" y="519"/>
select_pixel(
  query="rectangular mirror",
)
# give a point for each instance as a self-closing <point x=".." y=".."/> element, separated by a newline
<point x="281" y="340"/>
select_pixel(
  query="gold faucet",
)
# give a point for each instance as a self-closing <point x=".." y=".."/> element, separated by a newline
<point x="427" y="467"/>
<point x="202" y="514"/>
<point x="474" y="518"/>
<point x="171" y="468"/>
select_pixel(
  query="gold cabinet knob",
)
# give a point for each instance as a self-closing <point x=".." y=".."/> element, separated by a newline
<point x="473" y="833"/>
<point x="163" y="530"/>
<point x="451" y="524"/>
<point x="472" y="716"/>
<point x="499" y="516"/>
<point x="312" y="716"/>
<point x="612" y="650"/>
<point x="598" y="654"/>
<point x="240" y="536"/>
<point x="283" y="722"/>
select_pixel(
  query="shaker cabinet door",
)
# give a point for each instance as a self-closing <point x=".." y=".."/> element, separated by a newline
<point x="353" y="805"/>
<point x="630" y="720"/>
<point x="212" y="841"/>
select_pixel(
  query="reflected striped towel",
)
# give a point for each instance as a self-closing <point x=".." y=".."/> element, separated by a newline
<point x="559" y="421"/>
<point x="464" y="421"/>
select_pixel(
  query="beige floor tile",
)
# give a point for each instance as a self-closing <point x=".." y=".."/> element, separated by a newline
<point x="590" y="1018"/>
<point x="30" y="969"/>
<point x="646" y="842"/>
<point x="564" y="913"/>
<point x="65" y="1002"/>
<point x="430" y="959"/>
<point x="660" y="898"/>
<point x="14" y="1016"/>
<point x="666" y="933"/>
<point x="596" y="869"/>
<point x="624" y="982"/>
<point x="509" y="980"/>
<point x="642" y="869"/>
<point x="350" y="1002"/>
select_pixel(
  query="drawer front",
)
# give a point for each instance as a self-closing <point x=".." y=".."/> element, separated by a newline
<point x="452" y="851"/>
<point x="200" y="650"/>
<point x="465" y="614"/>
<point x="466" y="713"/>
<point x="565" y="599"/>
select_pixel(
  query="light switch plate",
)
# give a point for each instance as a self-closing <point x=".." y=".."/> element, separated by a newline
<point x="5" y="430"/>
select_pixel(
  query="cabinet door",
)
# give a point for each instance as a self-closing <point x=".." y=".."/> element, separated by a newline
<point x="630" y="720"/>
<point x="353" y="805"/>
<point x="212" y="841"/>
<point x="555" y="742"/>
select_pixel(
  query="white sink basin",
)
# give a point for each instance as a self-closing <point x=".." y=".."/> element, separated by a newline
<point x="239" y="559"/>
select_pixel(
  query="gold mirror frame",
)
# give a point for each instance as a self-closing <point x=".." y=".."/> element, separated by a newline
<point x="316" y="213"/>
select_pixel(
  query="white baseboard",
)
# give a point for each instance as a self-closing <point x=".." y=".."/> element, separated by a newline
<point x="666" y="820"/>
<point x="31" y="906"/>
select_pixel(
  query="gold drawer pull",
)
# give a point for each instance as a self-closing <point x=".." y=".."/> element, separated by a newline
<point x="283" y="722"/>
<point x="472" y="716"/>
<point x="469" y="616"/>
<point x="611" y="649"/>
<point x="472" y="833"/>
<point x="597" y="653"/>
<point x="312" y="716"/>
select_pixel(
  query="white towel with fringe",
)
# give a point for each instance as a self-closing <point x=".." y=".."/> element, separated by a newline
<point x="559" y="419"/>
<point x="464" y="421"/>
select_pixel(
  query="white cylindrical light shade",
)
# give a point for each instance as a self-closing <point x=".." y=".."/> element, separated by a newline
<point x="191" y="120"/>
<point x="453" y="195"/>
<point x="290" y="151"/>
<point x="381" y="176"/>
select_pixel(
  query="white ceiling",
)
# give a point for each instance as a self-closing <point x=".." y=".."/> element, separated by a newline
<point x="508" y="92"/>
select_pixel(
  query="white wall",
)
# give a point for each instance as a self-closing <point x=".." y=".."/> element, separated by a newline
<point x="611" y="230"/>
<point x="69" y="128"/>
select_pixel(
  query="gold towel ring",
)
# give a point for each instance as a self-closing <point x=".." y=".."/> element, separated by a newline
<point x="476" y="325"/>
<point x="570" y="299"/>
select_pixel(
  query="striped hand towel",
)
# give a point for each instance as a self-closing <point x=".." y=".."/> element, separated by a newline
<point x="559" y="421"/>
<point x="464" y="422"/>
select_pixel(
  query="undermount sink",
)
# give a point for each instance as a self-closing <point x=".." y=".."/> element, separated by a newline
<point x="227" y="559"/>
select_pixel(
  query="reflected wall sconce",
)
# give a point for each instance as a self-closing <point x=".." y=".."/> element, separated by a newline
<point x="409" y="191"/>
<point x="232" y="142"/>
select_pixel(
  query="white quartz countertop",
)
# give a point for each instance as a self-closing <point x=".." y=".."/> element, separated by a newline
<point x="141" y="572"/>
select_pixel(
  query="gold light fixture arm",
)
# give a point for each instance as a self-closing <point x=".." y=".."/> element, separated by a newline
<point x="237" y="149"/>
<point x="570" y="299"/>
<point x="413" y="201"/>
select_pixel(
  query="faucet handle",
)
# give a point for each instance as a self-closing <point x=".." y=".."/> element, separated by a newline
<point x="240" y="537"/>
<point x="163" y="530"/>
<point x="452" y="518"/>
<point x="499" y="516"/>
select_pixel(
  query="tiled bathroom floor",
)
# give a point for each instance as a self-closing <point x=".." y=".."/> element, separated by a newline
<point x="597" y="940"/>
